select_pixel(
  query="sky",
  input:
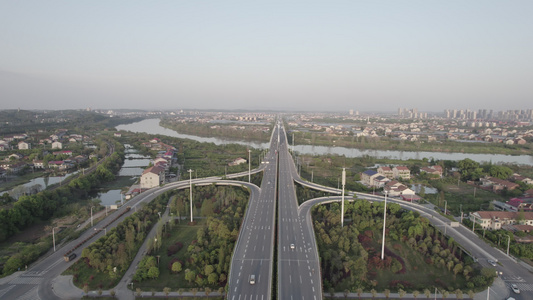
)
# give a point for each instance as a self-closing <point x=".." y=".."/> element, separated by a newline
<point x="277" y="55"/>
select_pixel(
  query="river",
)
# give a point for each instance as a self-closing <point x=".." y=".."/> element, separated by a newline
<point x="151" y="126"/>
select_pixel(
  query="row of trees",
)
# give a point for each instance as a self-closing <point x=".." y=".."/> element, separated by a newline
<point x="350" y="257"/>
<point x="113" y="253"/>
<point x="44" y="205"/>
<point x="205" y="261"/>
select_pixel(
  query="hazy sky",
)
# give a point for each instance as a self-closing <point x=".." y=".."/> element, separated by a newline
<point x="294" y="55"/>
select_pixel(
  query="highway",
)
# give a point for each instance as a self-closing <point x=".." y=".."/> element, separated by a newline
<point x="298" y="262"/>
<point x="298" y="270"/>
<point x="254" y="252"/>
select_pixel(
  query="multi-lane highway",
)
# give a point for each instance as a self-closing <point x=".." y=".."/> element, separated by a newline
<point x="252" y="273"/>
<point x="298" y="263"/>
<point x="252" y="264"/>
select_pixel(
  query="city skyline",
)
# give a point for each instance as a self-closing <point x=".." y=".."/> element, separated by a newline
<point x="310" y="56"/>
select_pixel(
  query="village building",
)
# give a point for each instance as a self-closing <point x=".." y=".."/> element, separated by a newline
<point x="152" y="177"/>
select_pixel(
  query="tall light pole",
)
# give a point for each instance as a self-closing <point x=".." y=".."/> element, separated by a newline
<point x="508" y="244"/>
<point x="92" y="216"/>
<point x="190" y="189"/>
<point x="249" y="165"/>
<point x="54" y="238"/>
<point x="342" y="203"/>
<point x="384" y="222"/>
<point x="461" y="206"/>
<point x="445" y="206"/>
<point x="473" y="222"/>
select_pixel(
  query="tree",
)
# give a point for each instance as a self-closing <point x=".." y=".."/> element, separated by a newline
<point x="445" y="294"/>
<point x="386" y="292"/>
<point x="166" y="290"/>
<point x="427" y="293"/>
<point x="176" y="267"/>
<point x="190" y="275"/>
<point x="153" y="272"/>
<point x="459" y="294"/>
<point x="359" y="292"/>
<point x="402" y="293"/>
<point x="415" y="294"/>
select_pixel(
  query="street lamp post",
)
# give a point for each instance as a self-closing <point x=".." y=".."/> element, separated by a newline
<point x="461" y="206"/>
<point x="508" y="244"/>
<point x="54" y="238"/>
<point x="445" y="206"/>
<point x="249" y="165"/>
<point x="190" y="189"/>
<point x="92" y="216"/>
<point x="473" y="222"/>
<point x="384" y="222"/>
<point x="342" y="204"/>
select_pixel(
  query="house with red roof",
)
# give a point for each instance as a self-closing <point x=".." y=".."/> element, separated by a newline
<point x="152" y="177"/>
<point x="386" y="171"/>
<point x="401" y="172"/>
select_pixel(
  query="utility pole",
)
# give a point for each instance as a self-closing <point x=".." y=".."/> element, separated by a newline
<point x="342" y="204"/>
<point x="249" y="165"/>
<point x="190" y="189"/>
<point x="384" y="222"/>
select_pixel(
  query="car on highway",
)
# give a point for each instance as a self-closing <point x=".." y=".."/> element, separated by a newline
<point x="515" y="288"/>
<point x="292" y="246"/>
<point x="252" y="279"/>
<point x="493" y="263"/>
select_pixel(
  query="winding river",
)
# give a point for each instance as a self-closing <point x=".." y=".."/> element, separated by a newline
<point x="151" y="126"/>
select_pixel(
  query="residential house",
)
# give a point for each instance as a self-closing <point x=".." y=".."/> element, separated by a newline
<point x="497" y="184"/>
<point x="401" y="172"/>
<point x="380" y="181"/>
<point x="24" y="146"/>
<point x="57" y="145"/>
<point x="435" y="171"/>
<point x="494" y="220"/>
<point x="386" y="171"/>
<point x="396" y="189"/>
<point x="237" y="161"/>
<point x="14" y="168"/>
<point x="152" y="177"/>
<point x="519" y="204"/>
<point x="368" y="176"/>
<point x="39" y="164"/>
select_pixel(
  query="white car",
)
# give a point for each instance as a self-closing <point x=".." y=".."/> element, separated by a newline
<point x="493" y="263"/>
<point x="292" y="246"/>
<point x="515" y="288"/>
<point x="252" y="279"/>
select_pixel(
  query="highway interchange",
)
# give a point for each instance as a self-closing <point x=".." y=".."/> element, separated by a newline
<point x="297" y="269"/>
